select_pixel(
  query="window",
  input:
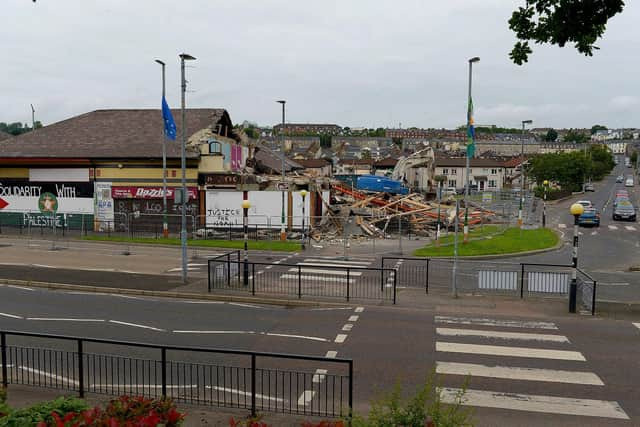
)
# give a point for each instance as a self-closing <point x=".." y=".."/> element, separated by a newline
<point x="215" y="147"/>
<point x="452" y="183"/>
<point x="485" y="170"/>
<point x="445" y="171"/>
<point x="492" y="183"/>
<point x="494" y="171"/>
<point x="454" y="171"/>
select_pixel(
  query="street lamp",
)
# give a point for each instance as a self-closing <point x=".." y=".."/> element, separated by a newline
<point x="439" y="191"/>
<point x="469" y="124"/>
<point x="303" y="193"/>
<point x="576" y="210"/>
<point x="283" y="233"/>
<point x="183" y="163"/>
<point x="165" y="225"/>
<point x="245" y="225"/>
<point x="522" y="173"/>
<point x="545" y="185"/>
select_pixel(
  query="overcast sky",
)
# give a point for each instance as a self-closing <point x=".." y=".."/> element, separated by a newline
<point x="352" y="62"/>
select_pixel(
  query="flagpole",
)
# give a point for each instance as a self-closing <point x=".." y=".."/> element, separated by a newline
<point x="469" y="144"/>
<point x="165" y="225"/>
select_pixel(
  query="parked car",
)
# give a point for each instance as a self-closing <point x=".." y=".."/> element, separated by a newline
<point x="449" y="191"/>
<point x="586" y="203"/>
<point x="619" y="179"/>
<point x="624" y="210"/>
<point x="589" y="187"/>
<point x="589" y="217"/>
<point x="629" y="182"/>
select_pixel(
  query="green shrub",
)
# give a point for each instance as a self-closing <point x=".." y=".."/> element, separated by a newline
<point x="42" y="412"/>
<point x="426" y="404"/>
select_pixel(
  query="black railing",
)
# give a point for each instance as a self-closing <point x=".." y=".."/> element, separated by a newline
<point x="437" y="274"/>
<point x="255" y="381"/>
<point x="587" y="285"/>
<point x="308" y="280"/>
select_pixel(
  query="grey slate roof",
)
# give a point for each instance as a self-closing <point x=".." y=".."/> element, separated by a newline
<point x="112" y="134"/>
<point x="5" y="135"/>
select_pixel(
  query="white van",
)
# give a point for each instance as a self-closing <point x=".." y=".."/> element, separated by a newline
<point x="628" y="182"/>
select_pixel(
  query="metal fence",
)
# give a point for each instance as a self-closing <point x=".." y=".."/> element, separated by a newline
<point x="226" y="274"/>
<point x="445" y="276"/>
<point x="220" y="377"/>
<point x="587" y="287"/>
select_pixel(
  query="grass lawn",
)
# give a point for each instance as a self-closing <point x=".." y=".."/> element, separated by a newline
<point x="230" y="244"/>
<point x="513" y="240"/>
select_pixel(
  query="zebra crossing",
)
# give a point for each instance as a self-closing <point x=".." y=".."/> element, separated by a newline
<point x="311" y="269"/>
<point x="610" y="227"/>
<point x="514" y="343"/>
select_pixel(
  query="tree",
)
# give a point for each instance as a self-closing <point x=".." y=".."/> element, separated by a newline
<point x="551" y="135"/>
<point x="18" y="128"/>
<point x="596" y="128"/>
<point x="325" y="140"/>
<point x="575" y="136"/>
<point x="252" y="133"/>
<point x="634" y="158"/>
<point x="558" y="22"/>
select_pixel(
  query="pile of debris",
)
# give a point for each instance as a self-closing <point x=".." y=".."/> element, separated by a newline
<point x="379" y="214"/>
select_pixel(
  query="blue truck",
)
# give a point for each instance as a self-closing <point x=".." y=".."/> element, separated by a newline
<point x="380" y="184"/>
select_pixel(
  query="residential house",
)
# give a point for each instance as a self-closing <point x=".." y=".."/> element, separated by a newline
<point x="308" y="128"/>
<point x="317" y="168"/>
<point x="484" y="174"/>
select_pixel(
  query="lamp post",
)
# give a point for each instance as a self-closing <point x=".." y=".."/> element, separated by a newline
<point x="469" y="124"/>
<point x="522" y="174"/>
<point x="245" y="226"/>
<point x="454" y="285"/>
<point x="183" y="164"/>
<point x="165" y="225"/>
<point x="439" y="191"/>
<point x="576" y="210"/>
<point x="303" y="193"/>
<point x="283" y="233"/>
<point x="545" y="184"/>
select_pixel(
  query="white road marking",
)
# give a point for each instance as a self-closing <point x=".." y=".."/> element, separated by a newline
<point x="200" y="302"/>
<point x="135" y="325"/>
<point x="535" y="403"/>
<point x="295" y="336"/>
<point x="514" y="373"/>
<point x="244" y="393"/>
<point x="331" y="354"/>
<point x="269" y="267"/>
<point x="143" y="386"/>
<point x="24" y="288"/>
<point x="331" y="308"/>
<point x="630" y="227"/>
<point x="126" y="296"/>
<point x="594" y="233"/>
<point x="306" y="397"/>
<point x="340" y="338"/>
<point x="562" y="225"/>
<point x="613" y="284"/>
<point x="330" y="272"/>
<point x="238" y="304"/>
<point x="335" y="261"/>
<point x="637" y="325"/>
<point x="173" y="270"/>
<point x="452" y="332"/>
<point x="319" y="376"/>
<point x="48" y="375"/>
<point x="64" y="319"/>
<point x="359" y="309"/>
<point x="333" y="266"/>
<point x="213" y="332"/>
<point x="494" y="322"/>
<point x="324" y="279"/>
<point x="354" y="318"/>
<point x="612" y="227"/>
<point x="347" y="327"/>
<point x="13" y="316"/>
<point x="498" y="350"/>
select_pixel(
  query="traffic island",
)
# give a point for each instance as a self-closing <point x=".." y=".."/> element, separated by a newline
<point x="490" y="240"/>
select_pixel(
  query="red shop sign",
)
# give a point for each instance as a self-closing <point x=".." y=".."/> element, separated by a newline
<point x="147" y="192"/>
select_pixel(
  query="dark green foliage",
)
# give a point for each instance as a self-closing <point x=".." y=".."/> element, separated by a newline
<point x="325" y="140"/>
<point x="559" y="22"/>
<point x="42" y="412"/>
<point x="575" y="136"/>
<point x="596" y="128"/>
<point x="551" y="135"/>
<point x="17" y="128"/>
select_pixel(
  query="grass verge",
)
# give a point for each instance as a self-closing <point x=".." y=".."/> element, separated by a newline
<point x="488" y="242"/>
<point x="229" y="244"/>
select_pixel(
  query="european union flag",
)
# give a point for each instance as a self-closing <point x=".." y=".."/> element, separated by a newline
<point x="471" y="131"/>
<point x="169" y="124"/>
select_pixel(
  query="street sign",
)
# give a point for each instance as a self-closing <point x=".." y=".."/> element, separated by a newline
<point x="282" y="186"/>
<point x="3" y="203"/>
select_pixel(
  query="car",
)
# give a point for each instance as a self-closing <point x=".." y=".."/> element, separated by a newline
<point x="586" y="203"/>
<point x="449" y="191"/>
<point x="624" y="210"/>
<point x="619" y="179"/>
<point x="589" y="187"/>
<point x="628" y="182"/>
<point x="589" y="217"/>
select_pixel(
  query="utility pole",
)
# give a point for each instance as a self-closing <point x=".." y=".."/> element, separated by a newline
<point x="33" y="118"/>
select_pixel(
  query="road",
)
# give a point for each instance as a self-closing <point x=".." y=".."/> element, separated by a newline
<point x="525" y="371"/>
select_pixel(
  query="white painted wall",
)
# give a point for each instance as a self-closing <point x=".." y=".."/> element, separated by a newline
<point x="59" y="175"/>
